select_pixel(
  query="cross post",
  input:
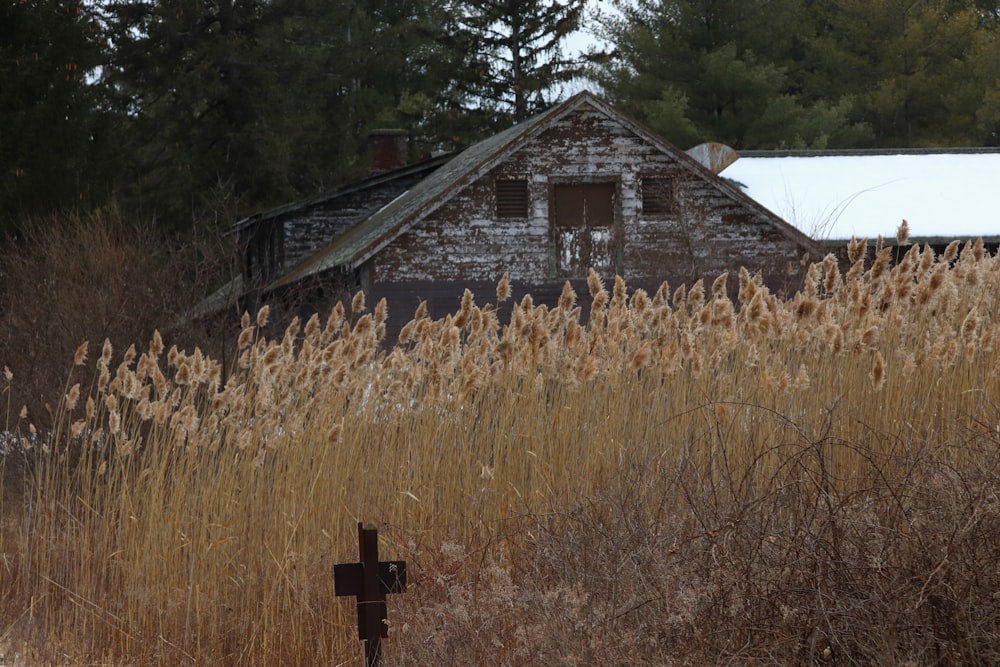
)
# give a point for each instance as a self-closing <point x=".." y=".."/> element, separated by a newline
<point x="370" y="581"/>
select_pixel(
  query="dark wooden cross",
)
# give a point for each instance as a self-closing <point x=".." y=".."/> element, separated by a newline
<point x="370" y="581"/>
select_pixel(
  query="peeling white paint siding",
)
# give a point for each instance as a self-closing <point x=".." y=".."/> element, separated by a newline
<point x="709" y="234"/>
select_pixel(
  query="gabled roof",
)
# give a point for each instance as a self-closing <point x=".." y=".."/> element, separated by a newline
<point x="357" y="245"/>
<point x="941" y="192"/>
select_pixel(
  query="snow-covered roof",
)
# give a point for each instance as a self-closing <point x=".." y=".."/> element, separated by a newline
<point x="832" y="195"/>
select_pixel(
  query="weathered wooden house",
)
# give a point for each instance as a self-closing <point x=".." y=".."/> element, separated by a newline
<point x="576" y="187"/>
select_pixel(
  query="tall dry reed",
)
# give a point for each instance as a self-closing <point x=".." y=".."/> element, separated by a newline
<point x="684" y="479"/>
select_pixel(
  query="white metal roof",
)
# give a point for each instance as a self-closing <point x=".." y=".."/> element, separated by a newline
<point x="831" y="196"/>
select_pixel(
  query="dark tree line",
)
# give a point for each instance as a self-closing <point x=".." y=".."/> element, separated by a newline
<point x="809" y="73"/>
<point x="195" y="112"/>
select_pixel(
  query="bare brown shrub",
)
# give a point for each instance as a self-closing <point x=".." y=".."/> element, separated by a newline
<point x="90" y="278"/>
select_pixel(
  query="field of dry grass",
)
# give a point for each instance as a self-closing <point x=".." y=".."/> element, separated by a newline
<point x="684" y="480"/>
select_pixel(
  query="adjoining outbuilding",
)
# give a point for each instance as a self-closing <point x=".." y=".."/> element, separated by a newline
<point x="944" y="194"/>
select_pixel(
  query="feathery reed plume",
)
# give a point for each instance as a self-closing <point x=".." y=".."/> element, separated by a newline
<point x="978" y="249"/>
<point x="696" y="297"/>
<point x="462" y="318"/>
<point x="503" y="287"/>
<point x="156" y="343"/>
<point x="80" y="357"/>
<point x="719" y="285"/>
<point x="747" y="287"/>
<point x="831" y="274"/>
<point x="805" y="307"/>
<point x="951" y="252"/>
<point x="358" y="302"/>
<point x="619" y="294"/>
<point x="312" y="331"/>
<point x="756" y="308"/>
<point x="567" y="298"/>
<point x="926" y="259"/>
<point x="836" y="339"/>
<point x="600" y="299"/>
<point x="174" y="356"/>
<point x="969" y="327"/>
<point x="870" y="336"/>
<point x="903" y="233"/>
<point x="723" y="314"/>
<point x="574" y="333"/>
<point x="679" y="294"/>
<point x="881" y="263"/>
<point x="333" y="321"/>
<point x="938" y="276"/>
<point x="640" y="359"/>
<point x="856" y="250"/>
<point x="8" y="375"/>
<point x="270" y="360"/>
<point x="662" y="296"/>
<point x="245" y="339"/>
<point x="639" y="303"/>
<point x="72" y="396"/>
<point x="262" y="316"/>
<point x="407" y="333"/>
<point x="594" y="283"/>
<point x="877" y="374"/>
<point x="421" y="312"/>
<point x="811" y="283"/>
<point x="106" y="352"/>
<point x="183" y="375"/>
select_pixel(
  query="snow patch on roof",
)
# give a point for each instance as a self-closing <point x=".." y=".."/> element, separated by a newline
<point x="832" y="197"/>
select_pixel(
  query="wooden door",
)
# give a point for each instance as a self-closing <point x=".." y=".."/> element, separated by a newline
<point x="585" y="229"/>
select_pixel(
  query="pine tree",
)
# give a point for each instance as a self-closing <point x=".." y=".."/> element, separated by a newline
<point x="237" y="106"/>
<point x="505" y="56"/>
<point x="911" y="66"/>
<point x="721" y="70"/>
<point x="52" y="153"/>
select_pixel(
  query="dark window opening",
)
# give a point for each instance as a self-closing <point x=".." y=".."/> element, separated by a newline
<point x="658" y="196"/>
<point x="512" y="198"/>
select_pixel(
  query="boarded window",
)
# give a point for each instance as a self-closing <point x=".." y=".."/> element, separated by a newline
<point x="658" y="196"/>
<point x="512" y="198"/>
<point x="584" y="229"/>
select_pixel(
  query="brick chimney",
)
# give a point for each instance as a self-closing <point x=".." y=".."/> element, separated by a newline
<point x="388" y="148"/>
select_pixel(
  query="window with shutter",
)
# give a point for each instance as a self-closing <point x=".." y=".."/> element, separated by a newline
<point x="657" y="195"/>
<point x="512" y="198"/>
